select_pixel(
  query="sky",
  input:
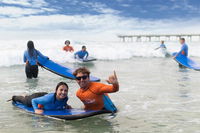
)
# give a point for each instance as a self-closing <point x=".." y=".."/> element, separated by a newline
<point x="94" y="18"/>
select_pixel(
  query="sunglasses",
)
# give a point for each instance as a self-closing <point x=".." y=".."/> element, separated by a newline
<point x="82" y="77"/>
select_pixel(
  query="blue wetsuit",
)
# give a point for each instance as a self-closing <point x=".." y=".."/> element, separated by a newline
<point x="49" y="102"/>
<point x="162" y="46"/>
<point x="31" y="67"/>
<point x="81" y="54"/>
<point x="184" y="50"/>
<point x="32" y="60"/>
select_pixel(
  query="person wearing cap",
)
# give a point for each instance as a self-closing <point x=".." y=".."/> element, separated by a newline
<point x="68" y="48"/>
<point x="82" y="54"/>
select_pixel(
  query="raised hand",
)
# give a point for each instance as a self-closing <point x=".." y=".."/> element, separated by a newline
<point x="112" y="79"/>
<point x="39" y="111"/>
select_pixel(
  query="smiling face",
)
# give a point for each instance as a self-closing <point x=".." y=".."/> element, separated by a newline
<point x="61" y="92"/>
<point x="83" y="80"/>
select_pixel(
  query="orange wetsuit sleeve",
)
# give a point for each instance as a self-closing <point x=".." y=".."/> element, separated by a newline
<point x="103" y="88"/>
<point x="72" y="49"/>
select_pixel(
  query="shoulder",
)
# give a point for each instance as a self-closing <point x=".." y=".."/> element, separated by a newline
<point x="96" y="85"/>
<point x="78" y="92"/>
<point x="25" y="52"/>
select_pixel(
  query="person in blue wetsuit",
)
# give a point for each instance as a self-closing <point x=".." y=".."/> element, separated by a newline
<point x="82" y="54"/>
<point x="162" y="46"/>
<point x="183" y="51"/>
<point x="30" y="58"/>
<point x="42" y="101"/>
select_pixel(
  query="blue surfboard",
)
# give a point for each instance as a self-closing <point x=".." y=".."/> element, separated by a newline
<point x="66" y="114"/>
<point x="187" y="62"/>
<point x="59" y="69"/>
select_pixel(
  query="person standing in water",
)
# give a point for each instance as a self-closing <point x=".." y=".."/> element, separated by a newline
<point x="93" y="94"/>
<point x="82" y="54"/>
<point x="162" y="46"/>
<point x="68" y="48"/>
<point x="30" y="58"/>
<point x="183" y="51"/>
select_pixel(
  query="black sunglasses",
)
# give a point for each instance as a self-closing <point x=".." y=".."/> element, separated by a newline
<point x="82" y="77"/>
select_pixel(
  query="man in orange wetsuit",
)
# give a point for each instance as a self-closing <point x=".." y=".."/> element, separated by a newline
<point x="91" y="93"/>
<point x="68" y="48"/>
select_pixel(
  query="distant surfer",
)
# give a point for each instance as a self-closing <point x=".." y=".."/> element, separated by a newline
<point x="68" y="48"/>
<point x="43" y="101"/>
<point x="163" y="49"/>
<point x="183" y="51"/>
<point x="162" y="46"/>
<point x="30" y="58"/>
<point x="82" y="54"/>
<point x="93" y="94"/>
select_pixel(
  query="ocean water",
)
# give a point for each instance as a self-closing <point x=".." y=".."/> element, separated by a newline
<point x="154" y="96"/>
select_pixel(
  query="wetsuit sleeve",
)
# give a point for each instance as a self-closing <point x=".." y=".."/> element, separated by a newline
<point x="25" y="59"/>
<point x="72" y="49"/>
<point x="76" y="54"/>
<point x="40" y="100"/>
<point x="105" y="89"/>
<point x="182" y="49"/>
<point x="87" y="54"/>
<point x="40" y="54"/>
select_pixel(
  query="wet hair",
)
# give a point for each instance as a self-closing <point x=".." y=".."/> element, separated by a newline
<point x="83" y="47"/>
<point x="58" y="85"/>
<point x="183" y="39"/>
<point x="81" y="70"/>
<point x="67" y="42"/>
<point x="30" y="48"/>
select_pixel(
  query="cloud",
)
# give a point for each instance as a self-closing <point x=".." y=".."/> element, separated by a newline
<point x="27" y="3"/>
<point x="100" y="7"/>
<point x="17" y="2"/>
<point x="109" y="21"/>
<point x="17" y="11"/>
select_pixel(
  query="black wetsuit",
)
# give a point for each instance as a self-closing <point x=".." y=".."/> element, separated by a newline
<point x="26" y="100"/>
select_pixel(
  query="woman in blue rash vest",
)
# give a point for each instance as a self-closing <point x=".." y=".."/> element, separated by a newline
<point x="42" y="101"/>
<point x="30" y="58"/>
<point x="82" y="54"/>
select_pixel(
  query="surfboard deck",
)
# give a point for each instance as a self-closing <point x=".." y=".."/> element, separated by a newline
<point x="59" y="69"/>
<point x="67" y="114"/>
<point x="187" y="62"/>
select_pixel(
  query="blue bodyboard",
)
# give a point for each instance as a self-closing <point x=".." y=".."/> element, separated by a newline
<point x="187" y="62"/>
<point x="66" y="114"/>
<point x="59" y="69"/>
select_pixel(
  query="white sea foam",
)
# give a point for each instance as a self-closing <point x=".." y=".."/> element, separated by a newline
<point x="11" y="52"/>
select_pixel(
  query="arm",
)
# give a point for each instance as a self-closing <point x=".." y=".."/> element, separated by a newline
<point x="76" y="54"/>
<point x="87" y="54"/>
<point x="182" y="49"/>
<point x="25" y="59"/>
<point x="156" y="48"/>
<point x="72" y="49"/>
<point x="111" y="88"/>
<point x="40" y="54"/>
<point x="40" y="100"/>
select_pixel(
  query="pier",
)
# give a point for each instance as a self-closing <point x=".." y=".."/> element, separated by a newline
<point x="158" y="37"/>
